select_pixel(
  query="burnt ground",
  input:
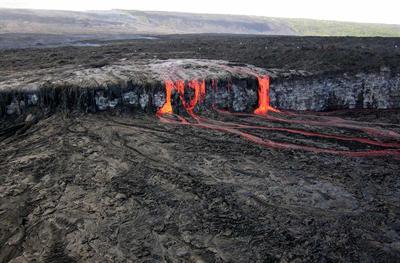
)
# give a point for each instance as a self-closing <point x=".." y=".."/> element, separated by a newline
<point x="113" y="187"/>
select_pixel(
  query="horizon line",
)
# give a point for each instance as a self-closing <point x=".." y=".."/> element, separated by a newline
<point x="198" y="13"/>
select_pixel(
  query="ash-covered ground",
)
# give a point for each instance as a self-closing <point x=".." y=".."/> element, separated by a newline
<point x="127" y="187"/>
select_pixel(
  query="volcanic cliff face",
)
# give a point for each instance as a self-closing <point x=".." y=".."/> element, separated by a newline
<point x="141" y="85"/>
<point x="340" y="91"/>
<point x="138" y="85"/>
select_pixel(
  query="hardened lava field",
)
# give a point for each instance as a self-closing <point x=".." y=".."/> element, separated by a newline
<point x="181" y="184"/>
<point x="102" y="186"/>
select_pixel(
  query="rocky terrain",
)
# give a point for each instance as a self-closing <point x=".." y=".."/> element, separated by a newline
<point x="157" y="22"/>
<point x="312" y="54"/>
<point x="140" y="85"/>
<point x="129" y="188"/>
<point x="206" y="185"/>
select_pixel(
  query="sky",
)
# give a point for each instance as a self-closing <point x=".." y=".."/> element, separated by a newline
<point x="367" y="11"/>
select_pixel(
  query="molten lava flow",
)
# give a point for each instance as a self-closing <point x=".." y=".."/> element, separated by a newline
<point x="202" y="90"/>
<point x="235" y="129"/>
<point x="180" y="87"/>
<point x="199" y="95"/>
<point x="199" y="92"/>
<point x="263" y="96"/>
<point x="167" y="107"/>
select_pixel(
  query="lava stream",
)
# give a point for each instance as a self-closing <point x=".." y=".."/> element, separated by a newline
<point x="305" y="133"/>
<point x="263" y="96"/>
<point x="331" y="122"/>
<point x="167" y="107"/>
<point x="276" y="145"/>
<point x="262" y="110"/>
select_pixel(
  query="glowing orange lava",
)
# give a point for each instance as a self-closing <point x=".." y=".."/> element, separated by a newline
<point x="167" y="107"/>
<point x="199" y="92"/>
<point x="263" y="96"/>
<point x="199" y="89"/>
<point x="180" y="87"/>
<point x="232" y="128"/>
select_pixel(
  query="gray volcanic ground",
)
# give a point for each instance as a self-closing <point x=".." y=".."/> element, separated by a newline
<point x="129" y="186"/>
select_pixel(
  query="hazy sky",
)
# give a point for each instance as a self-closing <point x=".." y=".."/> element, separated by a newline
<point x="374" y="11"/>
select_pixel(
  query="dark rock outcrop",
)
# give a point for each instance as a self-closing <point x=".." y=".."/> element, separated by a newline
<point x="342" y="91"/>
<point x="139" y="86"/>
